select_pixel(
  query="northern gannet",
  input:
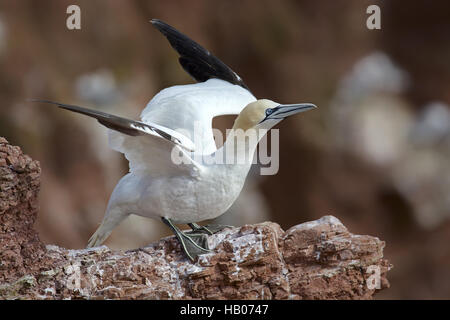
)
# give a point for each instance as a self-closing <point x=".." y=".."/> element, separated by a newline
<point x="178" y="121"/>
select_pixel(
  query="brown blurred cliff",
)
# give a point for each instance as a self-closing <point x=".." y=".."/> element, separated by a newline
<point x="376" y="154"/>
<point x="314" y="260"/>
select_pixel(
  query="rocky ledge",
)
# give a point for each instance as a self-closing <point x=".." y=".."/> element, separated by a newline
<point x="320" y="259"/>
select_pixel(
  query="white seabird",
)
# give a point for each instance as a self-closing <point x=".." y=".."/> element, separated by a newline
<point x="178" y="120"/>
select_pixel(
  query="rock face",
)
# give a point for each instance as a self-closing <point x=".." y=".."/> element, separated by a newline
<point x="314" y="260"/>
<point x="20" y="248"/>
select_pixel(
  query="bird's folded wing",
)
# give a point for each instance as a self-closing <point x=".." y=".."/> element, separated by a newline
<point x="196" y="60"/>
<point x="130" y="127"/>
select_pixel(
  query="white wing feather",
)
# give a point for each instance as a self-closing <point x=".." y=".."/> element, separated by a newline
<point x="187" y="109"/>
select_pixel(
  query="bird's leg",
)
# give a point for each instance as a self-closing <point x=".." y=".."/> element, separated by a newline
<point x="209" y="229"/>
<point x="192" y="244"/>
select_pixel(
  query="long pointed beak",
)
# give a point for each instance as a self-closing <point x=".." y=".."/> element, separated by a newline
<point x="286" y="110"/>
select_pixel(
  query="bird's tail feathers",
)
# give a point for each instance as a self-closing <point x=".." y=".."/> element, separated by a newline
<point x="99" y="236"/>
<point x="113" y="216"/>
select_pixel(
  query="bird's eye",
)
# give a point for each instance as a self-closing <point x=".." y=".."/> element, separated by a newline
<point x="269" y="112"/>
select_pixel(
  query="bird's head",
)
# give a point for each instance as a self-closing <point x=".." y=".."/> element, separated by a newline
<point x="265" y="114"/>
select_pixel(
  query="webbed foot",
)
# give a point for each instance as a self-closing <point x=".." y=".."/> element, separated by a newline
<point x="208" y="229"/>
<point x="193" y="244"/>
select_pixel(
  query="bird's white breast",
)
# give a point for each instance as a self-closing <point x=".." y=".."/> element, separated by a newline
<point x="187" y="198"/>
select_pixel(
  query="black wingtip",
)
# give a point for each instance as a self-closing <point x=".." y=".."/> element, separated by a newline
<point x="61" y="105"/>
<point x="164" y="28"/>
<point x="156" y="21"/>
<point x="33" y="100"/>
<point x="73" y="108"/>
<point x="196" y="60"/>
<point x="40" y="101"/>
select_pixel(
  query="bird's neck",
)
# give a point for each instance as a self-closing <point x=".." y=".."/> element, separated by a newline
<point x="239" y="147"/>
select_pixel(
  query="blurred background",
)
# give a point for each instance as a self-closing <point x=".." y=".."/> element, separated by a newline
<point x="376" y="154"/>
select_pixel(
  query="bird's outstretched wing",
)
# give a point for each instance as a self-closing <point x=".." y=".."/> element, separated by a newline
<point x="191" y="108"/>
<point x="196" y="60"/>
<point x="129" y="127"/>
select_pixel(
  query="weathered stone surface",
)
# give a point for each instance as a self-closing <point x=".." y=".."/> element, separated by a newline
<point x="20" y="247"/>
<point x="314" y="260"/>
